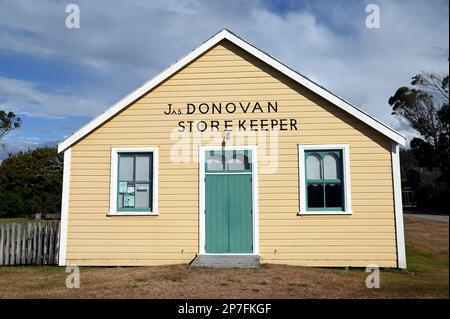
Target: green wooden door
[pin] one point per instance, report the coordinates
(228, 209)
(240, 222)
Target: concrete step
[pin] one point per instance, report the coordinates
(226, 261)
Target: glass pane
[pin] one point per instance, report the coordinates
(315, 196)
(313, 167)
(142, 196)
(126, 163)
(143, 164)
(214, 161)
(128, 201)
(130, 188)
(333, 195)
(238, 161)
(121, 200)
(331, 167)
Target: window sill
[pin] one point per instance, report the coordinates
(113, 214)
(312, 213)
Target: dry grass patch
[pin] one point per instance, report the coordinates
(427, 277)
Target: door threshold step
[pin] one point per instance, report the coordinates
(226, 261)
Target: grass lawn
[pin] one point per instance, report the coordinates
(427, 277)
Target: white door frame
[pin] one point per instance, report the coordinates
(201, 206)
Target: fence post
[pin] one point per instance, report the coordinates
(29, 258)
(24, 244)
(35, 234)
(57, 242)
(18, 238)
(50, 245)
(12, 260)
(8, 239)
(39, 244)
(46, 232)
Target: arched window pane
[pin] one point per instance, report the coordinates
(238, 162)
(313, 167)
(331, 167)
(215, 163)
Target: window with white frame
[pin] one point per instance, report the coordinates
(133, 181)
(324, 179)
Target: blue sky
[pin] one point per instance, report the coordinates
(57, 79)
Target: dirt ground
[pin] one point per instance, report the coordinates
(427, 277)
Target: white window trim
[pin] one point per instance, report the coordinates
(113, 181)
(346, 174)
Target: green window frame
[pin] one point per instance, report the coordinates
(324, 193)
(131, 191)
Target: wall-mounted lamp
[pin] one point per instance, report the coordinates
(226, 138)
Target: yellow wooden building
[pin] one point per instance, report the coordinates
(230, 158)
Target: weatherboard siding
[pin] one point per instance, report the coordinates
(228, 74)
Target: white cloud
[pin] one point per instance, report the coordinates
(25, 98)
(12, 146)
(129, 41)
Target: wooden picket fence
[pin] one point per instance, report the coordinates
(32, 243)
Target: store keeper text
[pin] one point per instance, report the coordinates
(280, 124)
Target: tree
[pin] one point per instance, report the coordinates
(8, 122)
(425, 107)
(31, 182)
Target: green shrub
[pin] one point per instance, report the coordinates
(433, 197)
(31, 183)
(11, 204)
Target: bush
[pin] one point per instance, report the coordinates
(31, 183)
(11, 204)
(433, 197)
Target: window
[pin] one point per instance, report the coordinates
(133, 181)
(324, 184)
(323, 180)
(230, 161)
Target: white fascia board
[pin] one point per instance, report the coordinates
(225, 34)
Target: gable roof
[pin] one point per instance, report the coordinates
(225, 34)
